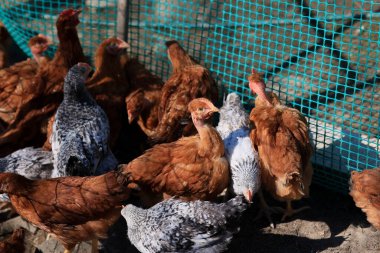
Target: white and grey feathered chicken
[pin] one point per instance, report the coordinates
(178, 226)
(32, 163)
(80, 130)
(243, 159)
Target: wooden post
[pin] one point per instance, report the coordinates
(122, 19)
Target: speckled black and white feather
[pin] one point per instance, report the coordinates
(33, 163)
(178, 226)
(243, 159)
(80, 131)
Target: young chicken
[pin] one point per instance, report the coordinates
(108, 85)
(189, 80)
(43, 93)
(14, 243)
(233, 127)
(192, 167)
(74, 209)
(365, 190)
(15, 79)
(80, 130)
(177, 226)
(144, 99)
(280, 134)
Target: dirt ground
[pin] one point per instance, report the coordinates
(332, 225)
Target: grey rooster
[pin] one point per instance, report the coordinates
(177, 226)
(243, 159)
(80, 130)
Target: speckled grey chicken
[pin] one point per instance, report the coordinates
(178, 226)
(233, 127)
(80, 130)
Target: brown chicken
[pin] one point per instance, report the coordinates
(365, 190)
(189, 80)
(14, 243)
(15, 79)
(192, 167)
(280, 135)
(108, 85)
(74, 209)
(144, 99)
(45, 90)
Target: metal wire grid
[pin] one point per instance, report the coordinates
(321, 57)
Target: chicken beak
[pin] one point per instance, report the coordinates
(77, 12)
(248, 195)
(123, 44)
(130, 117)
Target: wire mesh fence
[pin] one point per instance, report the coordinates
(321, 57)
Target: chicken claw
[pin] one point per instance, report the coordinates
(289, 211)
(267, 210)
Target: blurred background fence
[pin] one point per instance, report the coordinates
(321, 57)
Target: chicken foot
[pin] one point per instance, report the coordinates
(289, 211)
(267, 210)
(94, 248)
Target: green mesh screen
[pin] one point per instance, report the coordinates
(321, 57)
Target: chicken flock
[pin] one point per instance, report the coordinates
(193, 181)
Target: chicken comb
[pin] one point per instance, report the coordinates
(70, 12)
(170, 42)
(255, 76)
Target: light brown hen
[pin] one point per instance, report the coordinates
(188, 80)
(144, 99)
(365, 190)
(14, 243)
(74, 209)
(44, 92)
(192, 167)
(280, 134)
(15, 79)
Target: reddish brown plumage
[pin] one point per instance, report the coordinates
(16, 80)
(44, 91)
(14, 243)
(189, 80)
(280, 134)
(192, 167)
(74, 209)
(144, 98)
(365, 190)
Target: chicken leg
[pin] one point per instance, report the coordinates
(289, 211)
(67, 251)
(267, 210)
(94, 248)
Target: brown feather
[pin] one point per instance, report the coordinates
(281, 136)
(365, 190)
(189, 80)
(44, 91)
(14, 243)
(192, 167)
(74, 209)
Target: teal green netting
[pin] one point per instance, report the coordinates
(321, 57)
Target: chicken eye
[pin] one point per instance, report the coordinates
(201, 109)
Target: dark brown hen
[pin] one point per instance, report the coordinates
(14, 243)
(44, 93)
(144, 98)
(188, 80)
